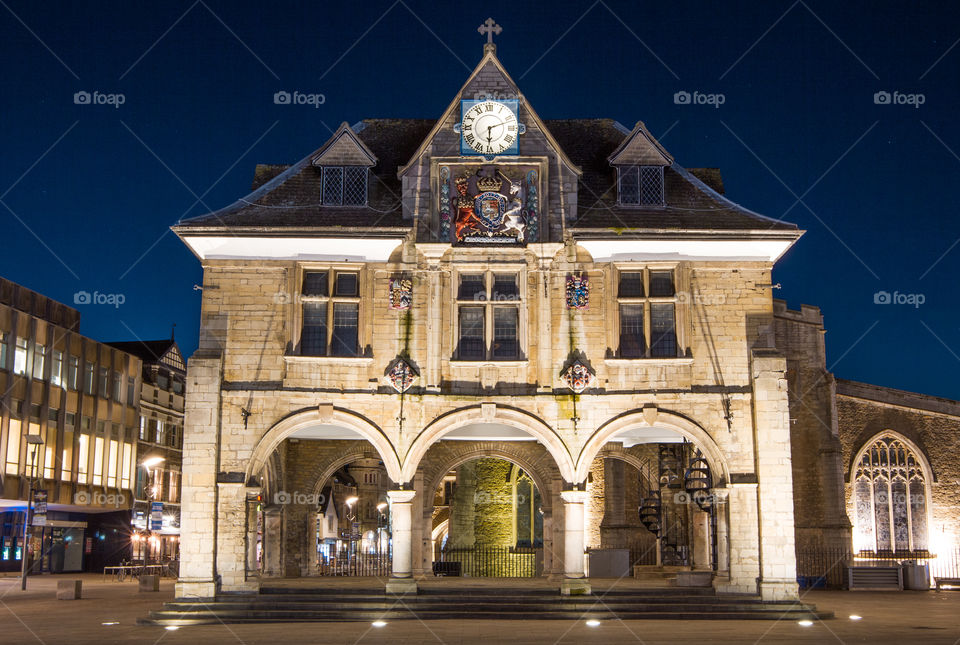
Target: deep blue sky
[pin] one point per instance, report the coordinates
(198, 80)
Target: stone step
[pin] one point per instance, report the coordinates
(499, 613)
(581, 604)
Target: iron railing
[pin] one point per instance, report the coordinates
(362, 564)
(489, 562)
(827, 567)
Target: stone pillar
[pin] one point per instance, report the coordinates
(420, 533)
(720, 497)
(198, 496)
(294, 556)
(771, 411)
(700, 522)
(574, 581)
(401, 503)
(272, 543)
(232, 538)
(251, 563)
(312, 555)
(743, 539)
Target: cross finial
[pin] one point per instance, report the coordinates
(490, 27)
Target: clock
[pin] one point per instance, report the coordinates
(489, 127)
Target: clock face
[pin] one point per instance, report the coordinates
(489, 127)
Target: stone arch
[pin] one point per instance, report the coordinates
(489, 413)
(540, 469)
(928, 471)
(649, 418)
(325, 415)
(617, 451)
(361, 452)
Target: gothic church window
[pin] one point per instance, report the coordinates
(890, 492)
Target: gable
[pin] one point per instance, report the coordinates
(344, 149)
(640, 149)
(173, 358)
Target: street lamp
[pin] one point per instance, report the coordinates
(151, 494)
(36, 441)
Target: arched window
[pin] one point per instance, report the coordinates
(890, 492)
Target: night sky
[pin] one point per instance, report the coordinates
(88, 191)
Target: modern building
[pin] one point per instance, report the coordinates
(156, 506)
(553, 339)
(68, 421)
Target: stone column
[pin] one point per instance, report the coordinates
(743, 539)
(272, 523)
(198, 506)
(232, 538)
(720, 496)
(701, 538)
(251, 564)
(294, 545)
(401, 504)
(771, 411)
(574, 581)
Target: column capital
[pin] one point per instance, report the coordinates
(573, 496)
(720, 494)
(401, 496)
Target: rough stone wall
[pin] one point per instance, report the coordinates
(493, 504)
(815, 447)
(930, 423)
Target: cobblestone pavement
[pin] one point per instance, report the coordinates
(108, 612)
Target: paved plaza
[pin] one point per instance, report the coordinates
(109, 610)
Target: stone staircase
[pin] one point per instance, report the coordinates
(286, 604)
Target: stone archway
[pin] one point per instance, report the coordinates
(488, 413)
(325, 415)
(654, 418)
(529, 456)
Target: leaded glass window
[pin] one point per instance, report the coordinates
(344, 185)
(641, 185)
(890, 498)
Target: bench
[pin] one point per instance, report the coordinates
(950, 582)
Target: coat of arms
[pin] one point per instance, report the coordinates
(488, 208)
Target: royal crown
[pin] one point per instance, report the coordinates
(489, 184)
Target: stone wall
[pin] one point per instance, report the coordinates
(815, 447)
(930, 423)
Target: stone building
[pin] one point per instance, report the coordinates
(159, 448)
(436, 295)
(79, 399)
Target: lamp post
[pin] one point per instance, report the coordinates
(34, 440)
(150, 493)
(381, 517)
(351, 517)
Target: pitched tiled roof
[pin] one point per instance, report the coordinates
(690, 203)
(287, 197)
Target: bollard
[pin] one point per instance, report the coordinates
(69, 589)
(149, 582)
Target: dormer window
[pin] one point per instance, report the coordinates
(640, 185)
(344, 186)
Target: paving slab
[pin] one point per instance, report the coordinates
(108, 611)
